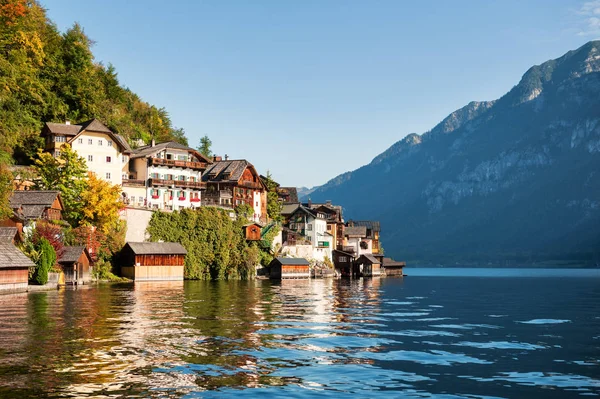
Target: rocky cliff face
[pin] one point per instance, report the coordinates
(515, 178)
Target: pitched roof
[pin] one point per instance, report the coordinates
(157, 248)
(33, 197)
(369, 224)
(7, 234)
(94, 125)
(12, 258)
(292, 192)
(389, 262)
(370, 258)
(61, 128)
(293, 261)
(226, 171)
(72, 254)
(355, 231)
(288, 209)
(149, 150)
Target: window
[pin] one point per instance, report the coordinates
(90, 158)
(182, 177)
(109, 143)
(80, 141)
(108, 159)
(124, 159)
(343, 259)
(309, 227)
(56, 154)
(100, 142)
(108, 175)
(60, 139)
(256, 203)
(328, 227)
(90, 141)
(140, 199)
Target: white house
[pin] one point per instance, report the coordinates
(105, 153)
(312, 226)
(166, 176)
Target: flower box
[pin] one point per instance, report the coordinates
(155, 196)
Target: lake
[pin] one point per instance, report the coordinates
(438, 333)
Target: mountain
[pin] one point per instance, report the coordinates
(511, 180)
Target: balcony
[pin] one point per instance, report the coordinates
(178, 164)
(250, 184)
(134, 183)
(177, 183)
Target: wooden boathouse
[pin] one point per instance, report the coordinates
(367, 265)
(14, 265)
(392, 267)
(286, 268)
(76, 265)
(153, 261)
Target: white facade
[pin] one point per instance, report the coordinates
(102, 156)
(354, 242)
(170, 187)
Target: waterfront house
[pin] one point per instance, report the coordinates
(76, 265)
(14, 265)
(165, 176)
(230, 183)
(373, 229)
(252, 231)
(289, 268)
(343, 261)
(392, 267)
(312, 226)
(153, 261)
(33, 205)
(333, 217)
(105, 153)
(367, 265)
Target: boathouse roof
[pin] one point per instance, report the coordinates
(389, 262)
(8, 234)
(156, 248)
(370, 258)
(293, 261)
(12, 258)
(72, 254)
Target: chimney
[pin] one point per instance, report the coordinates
(226, 157)
(153, 142)
(217, 158)
(328, 202)
(67, 122)
(309, 202)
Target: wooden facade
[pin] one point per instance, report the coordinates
(153, 261)
(290, 268)
(392, 267)
(14, 265)
(76, 265)
(252, 232)
(367, 266)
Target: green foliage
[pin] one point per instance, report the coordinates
(273, 204)
(67, 174)
(205, 146)
(244, 211)
(5, 191)
(103, 271)
(49, 76)
(216, 246)
(46, 261)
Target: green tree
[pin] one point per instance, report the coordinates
(273, 204)
(5, 191)
(205, 146)
(67, 174)
(46, 261)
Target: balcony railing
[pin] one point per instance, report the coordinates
(177, 183)
(250, 184)
(178, 164)
(134, 182)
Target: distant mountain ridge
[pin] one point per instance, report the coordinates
(516, 179)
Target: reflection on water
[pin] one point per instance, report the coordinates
(421, 337)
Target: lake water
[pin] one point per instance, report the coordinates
(438, 333)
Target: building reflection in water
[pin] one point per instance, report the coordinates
(177, 337)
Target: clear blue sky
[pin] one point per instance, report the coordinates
(310, 89)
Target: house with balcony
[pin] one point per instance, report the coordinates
(165, 176)
(230, 183)
(105, 153)
(308, 226)
(333, 217)
(373, 228)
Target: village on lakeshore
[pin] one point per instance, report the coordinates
(295, 239)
